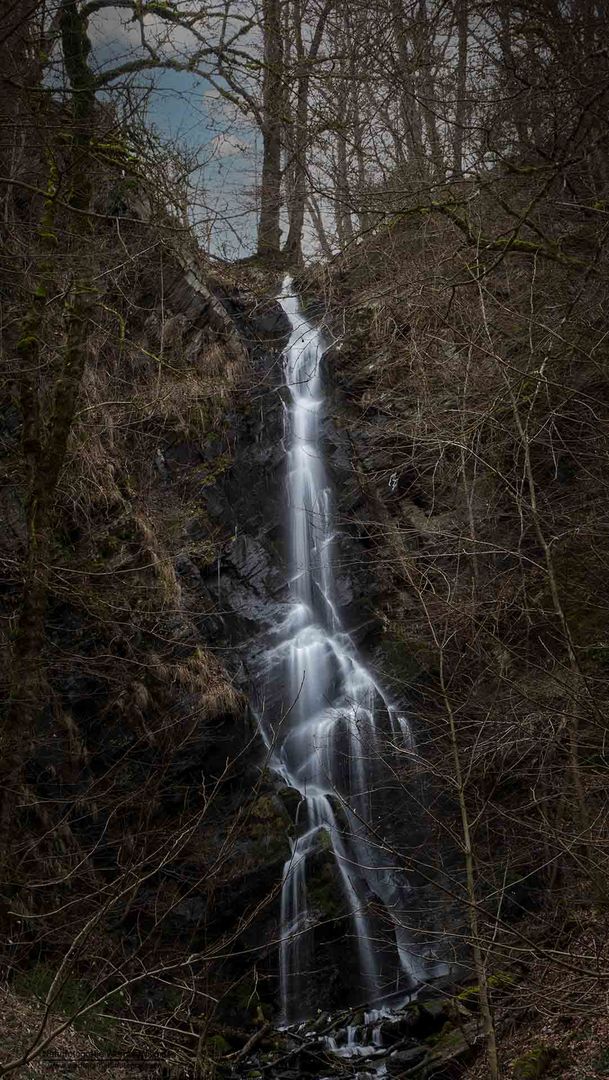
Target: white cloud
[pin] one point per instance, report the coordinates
(116, 35)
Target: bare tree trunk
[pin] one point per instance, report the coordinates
(291, 23)
(296, 166)
(45, 451)
(363, 215)
(318, 223)
(428, 94)
(461, 82)
(514, 89)
(269, 231)
(293, 246)
(342, 195)
(411, 116)
(344, 224)
(470, 881)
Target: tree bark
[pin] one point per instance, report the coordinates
(409, 108)
(293, 245)
(428, 91)
(461, 101)
(318, 222)
(45, 450)
(269, 231)
(470, 884)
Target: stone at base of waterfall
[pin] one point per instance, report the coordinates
(400, 1060)
(312, 1057)
(455, 1045)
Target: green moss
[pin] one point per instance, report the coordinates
(290, 800)
(221, 463)
(534, 1063)
(324, 892)
(269, 827)
(217, 1046)
(159, 7)
(450, 1038)
(499, 980)
(111, 147)
(470, 995)
(26, 342)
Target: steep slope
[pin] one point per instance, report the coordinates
(473, 397)
(148, 838)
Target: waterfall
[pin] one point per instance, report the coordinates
(331, 743)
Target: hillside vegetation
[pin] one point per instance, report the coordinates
(473, 386)
(434, 176)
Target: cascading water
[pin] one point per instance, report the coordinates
(331, 744)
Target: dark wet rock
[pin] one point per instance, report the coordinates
(270, 322)
(291, 800)
(453, 1048)
(433, 1012)
(325, 892)
(181, 455)
(396, 1029)
(187, 570)
(245, 595)
(313, 1058)
(437, 986)
(401, 1060)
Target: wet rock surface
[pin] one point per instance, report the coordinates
(248, 594)
(375, 1044)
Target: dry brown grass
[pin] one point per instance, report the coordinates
(73, 1055)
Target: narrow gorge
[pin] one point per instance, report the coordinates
(338, 736)
(304, 604)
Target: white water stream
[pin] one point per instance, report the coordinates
(331, 744)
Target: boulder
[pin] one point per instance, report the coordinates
(402, 1060)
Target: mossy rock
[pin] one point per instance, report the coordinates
(451, 1046)
(325, 890)
(534, 1063)
(269, 828)
(217, 1047)
(325, 893)
(450, 1038)
(324, 841)
(501, 980)
(291, 800)
(470, 997)
(434, 1013)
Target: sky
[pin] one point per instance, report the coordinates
(188, 109)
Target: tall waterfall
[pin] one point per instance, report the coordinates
(338, 728)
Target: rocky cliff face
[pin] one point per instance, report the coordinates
(170, 578)
(249, 588)
(148, 814)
